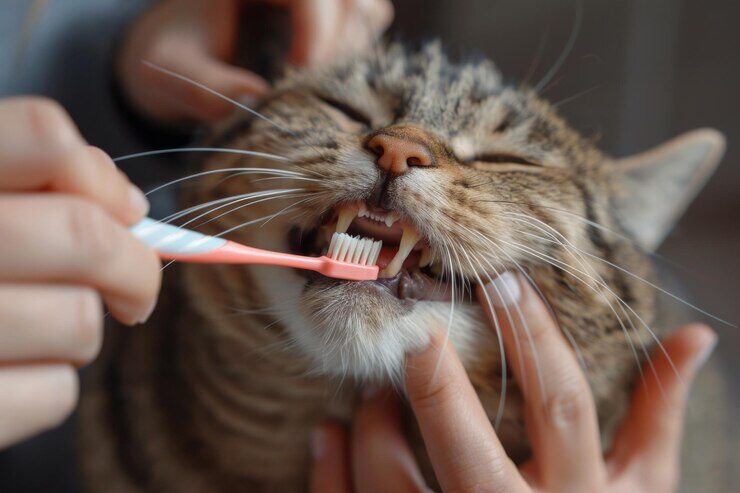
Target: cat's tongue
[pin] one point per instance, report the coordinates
(387, 253)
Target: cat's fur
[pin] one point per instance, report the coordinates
(221, 391)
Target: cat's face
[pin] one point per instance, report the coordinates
(462, 178)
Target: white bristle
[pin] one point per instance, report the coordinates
(354, 250)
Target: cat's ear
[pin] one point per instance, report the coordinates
(651, 190)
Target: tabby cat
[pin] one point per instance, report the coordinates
(239, 364)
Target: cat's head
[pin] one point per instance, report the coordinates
(469, 175)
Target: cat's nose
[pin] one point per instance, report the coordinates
(397, 154)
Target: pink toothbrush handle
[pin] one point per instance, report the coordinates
(235, 253)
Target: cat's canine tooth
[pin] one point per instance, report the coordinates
(409, 239)
(347, 214)
(362, 212)
(426, 257)
(390, 218)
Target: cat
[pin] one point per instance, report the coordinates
(239, 363)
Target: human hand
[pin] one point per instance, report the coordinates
(64, 209)
(196, 38)
(560, 418)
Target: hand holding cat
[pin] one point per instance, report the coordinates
(64, 246)
(561, 420)
(197, 39)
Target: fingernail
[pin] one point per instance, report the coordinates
(138, 202)
(369, 391)
(148, 312)
(703, 355)
(318, 444)
(504, 290)
(132, 311)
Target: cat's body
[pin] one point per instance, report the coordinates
(221, 392)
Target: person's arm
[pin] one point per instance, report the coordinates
(64, 249)
(560, 419)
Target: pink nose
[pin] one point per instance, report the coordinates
(396, 154)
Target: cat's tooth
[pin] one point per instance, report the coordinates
(409, 239)
(346, 215)
(390, 218)
(426, 257)
(362, 212)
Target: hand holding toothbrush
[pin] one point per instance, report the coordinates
(64, 247)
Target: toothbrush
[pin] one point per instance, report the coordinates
(348, 257)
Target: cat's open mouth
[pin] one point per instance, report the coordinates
(408, 269)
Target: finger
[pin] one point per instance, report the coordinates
(316, 25)
(562, 421)
(462, 445)
(62, 239)
(29, 122)
(79, 170)
(73, 333)
(330, 456)
(42, 397)
(650, 436)
(381, 458)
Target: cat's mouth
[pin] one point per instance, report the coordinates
(408, 269)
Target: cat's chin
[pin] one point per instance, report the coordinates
(364, 331)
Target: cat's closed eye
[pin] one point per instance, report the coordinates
(499, 158)
(347, 110)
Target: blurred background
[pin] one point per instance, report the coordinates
(639, 72)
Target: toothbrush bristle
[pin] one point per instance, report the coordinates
(354, 249)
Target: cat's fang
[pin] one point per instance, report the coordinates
(346, 215)
(409, 239)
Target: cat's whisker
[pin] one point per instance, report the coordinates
(279, 212)
(190, 210)
(566, 331)
(537, 56)
(297, 178)
(232, 101)
(522, 319)
(576, 96)
(572, 214)
(294, 193)
(228, 201)
(223, 150)
(626, 271)
(254, 221)
(451, 270)
(199, 85)
(658, 288)
(626, 332)
(566, 50)
(502, 350)
(567, 268)
(624, 304)
(566, 245)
